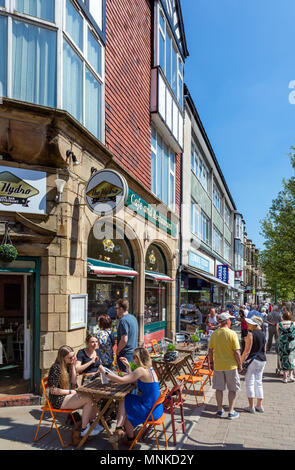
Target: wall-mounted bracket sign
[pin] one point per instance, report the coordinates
(22, 190)
(106, 192)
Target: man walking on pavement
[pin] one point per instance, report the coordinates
(224, 353)
(273, 318)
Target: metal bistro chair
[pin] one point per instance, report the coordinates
(151, 422)
(174, 400)
(53, 412)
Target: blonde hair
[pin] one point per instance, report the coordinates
(143, 357)
(64, 368)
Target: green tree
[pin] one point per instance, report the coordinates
(278, 229)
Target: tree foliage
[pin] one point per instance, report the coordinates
(278, 229)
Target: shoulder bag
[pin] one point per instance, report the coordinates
(246, 365)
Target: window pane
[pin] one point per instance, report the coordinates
(172, 190)
(168, 57)
(94, 52)
(39, 8)
(153, 172)
(159, 168)
(180, 92)
(74, 25)
(154, 139)
(161, 51)
(93, 104)
(3, 55)
(2, 3)
(162, 21)
(72, 82)
(174, 71)
(95, 8)
(34, 64)
(165, 175)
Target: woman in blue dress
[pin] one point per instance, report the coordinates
(134, 409)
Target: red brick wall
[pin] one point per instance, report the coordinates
(127, 90)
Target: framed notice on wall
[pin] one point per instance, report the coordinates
(78, 311)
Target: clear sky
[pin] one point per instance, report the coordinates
(241, 62)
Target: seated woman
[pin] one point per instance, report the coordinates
(87, 359)
(105, 341)
(62, 379)
(134, 409)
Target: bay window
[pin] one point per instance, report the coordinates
(169, 59)
(30, 51)
(162, 170)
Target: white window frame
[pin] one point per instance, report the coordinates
(227, 216)
(227, 251)
(171, 170)
(198, 219)
(200, 167)
(218, 235)
(217, 198)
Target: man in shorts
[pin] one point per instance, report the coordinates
(224, 355)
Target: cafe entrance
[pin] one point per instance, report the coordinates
(17, 312)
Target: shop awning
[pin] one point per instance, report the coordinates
(206, 277)
(101, 268)
(158, 276)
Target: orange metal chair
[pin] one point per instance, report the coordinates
(151, 422)
(53, 412)
(205, 370)
(156, 346)
(189, 381)
(174, 400)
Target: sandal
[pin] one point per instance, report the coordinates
(118, 434)
(127, 441)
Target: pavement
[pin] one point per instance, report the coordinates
(272, 430)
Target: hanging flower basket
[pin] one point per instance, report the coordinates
(8, 253)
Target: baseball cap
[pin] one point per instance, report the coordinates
(225, 316)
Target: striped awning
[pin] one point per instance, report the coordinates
(101, 268)
(158, 276)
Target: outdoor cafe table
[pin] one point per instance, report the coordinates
(111, 392)
(168, 371)
(187, 348)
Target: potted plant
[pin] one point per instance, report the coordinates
(171, 347)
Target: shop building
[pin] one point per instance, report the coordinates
(207, 222)
(70, 111)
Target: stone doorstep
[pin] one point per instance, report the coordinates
(20, 400)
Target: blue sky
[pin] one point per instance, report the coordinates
(241, 62)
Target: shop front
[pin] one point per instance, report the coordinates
(156, 293)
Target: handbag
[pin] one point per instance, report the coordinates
(246, 365)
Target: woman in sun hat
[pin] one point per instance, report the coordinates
(255, 346)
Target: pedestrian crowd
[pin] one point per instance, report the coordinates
(230, 359)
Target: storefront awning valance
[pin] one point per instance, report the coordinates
(206, 277)
(102, 268)
(158, 276)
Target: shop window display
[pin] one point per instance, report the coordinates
(155, 292)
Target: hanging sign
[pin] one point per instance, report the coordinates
(106, 192)
(22, 190)
(223, 272)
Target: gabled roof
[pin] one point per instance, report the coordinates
(173, 13)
